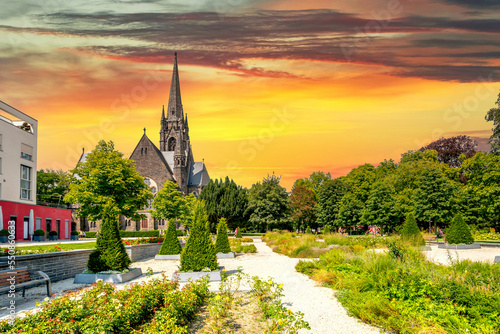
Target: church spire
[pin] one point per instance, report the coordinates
(174, 101)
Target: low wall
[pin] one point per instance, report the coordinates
(62, 265)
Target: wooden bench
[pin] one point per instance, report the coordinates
(430, 238)
(21, 278)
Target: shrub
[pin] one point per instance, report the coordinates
(238, 233)
(133, 234)
(180, 233)
(308, 230)
(458, 232)
(109, 243)
(53, 233)
(222, 241)
(90, 234)
(39, 233)
(95, 264)
(326, 230)
(170, 244)
(199, 252)
(74, 233)
(4, 232)
(410, 231)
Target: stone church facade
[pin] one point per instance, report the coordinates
(172, 161)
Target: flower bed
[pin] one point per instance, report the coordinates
(103, 309)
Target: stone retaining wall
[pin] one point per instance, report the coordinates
(62, 265)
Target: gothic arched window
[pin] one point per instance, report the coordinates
(171, 144)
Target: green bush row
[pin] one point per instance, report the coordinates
(135, 234)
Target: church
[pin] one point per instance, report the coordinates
(173, 161)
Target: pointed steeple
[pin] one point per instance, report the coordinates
(174, 101)
(163, 113)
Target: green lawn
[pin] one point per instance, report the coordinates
(53, 247)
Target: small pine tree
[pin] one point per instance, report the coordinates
(222, 241)
(410, 231)
(326, 230)
(458, 232)
(109, 243)
(171, 244)
(308, 230)
(199, 252)
(95, 264)
(238, 233)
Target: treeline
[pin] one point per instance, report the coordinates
(430, 184)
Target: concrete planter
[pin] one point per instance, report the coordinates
(53, 237)
(112, 278)
(229, 255)
(460, 246)
(4, 238)
(38, 238)
(194, 275)
(497, 259)
(74, 237)
(168, 257)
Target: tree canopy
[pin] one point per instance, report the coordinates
(52, 185)
(106, 177)
(450, 149)
(493, 115)
(169, 203)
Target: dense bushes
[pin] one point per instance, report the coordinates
(458, 232)
(222, 241)
(199, 252)
(411, 295)
(171, 244)
(410, 232)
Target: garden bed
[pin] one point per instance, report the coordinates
(111, 278)
(229, 255)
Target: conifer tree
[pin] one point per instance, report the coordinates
(109, 243)
(238, 233)
(308, 230)
(171, 244)
(222, 240)
(326, 230)
(458, 232)
(199, 252)
(410, 231)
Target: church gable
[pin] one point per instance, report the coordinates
(150, 163)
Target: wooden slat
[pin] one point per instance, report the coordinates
(20, 276)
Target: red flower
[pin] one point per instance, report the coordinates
(6, 249)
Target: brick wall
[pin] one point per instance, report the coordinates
(62, 265)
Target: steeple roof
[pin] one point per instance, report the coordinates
(174, 101)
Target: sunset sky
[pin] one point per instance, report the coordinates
(289, 87)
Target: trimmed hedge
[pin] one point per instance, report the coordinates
(199, 252)
(238, 233)
(459, 232)
(171, 245)
(326, 230)
(410, 231)
(222, 241)
(39, 233)
(137, 234)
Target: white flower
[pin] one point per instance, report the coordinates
(99, 280)
(101, 294)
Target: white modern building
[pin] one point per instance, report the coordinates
(18, 154)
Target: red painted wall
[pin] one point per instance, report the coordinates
(23, 210)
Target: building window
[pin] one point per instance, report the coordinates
(146, 150)
(25, 182)
(48, 225)
(171, 144)
(142, 151)
(0, 165)
(26, 152)
(38, 225)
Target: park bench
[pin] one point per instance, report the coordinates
(21, 279)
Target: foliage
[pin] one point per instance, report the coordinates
(53, 233)
(361, 179)
(237, 246)
(187, 215)
(222, 240)
(410, 231)
(238, 233)
(414, 295)
(74, 233)
(95, 262)
(137, 308)
(493, 115)
(199, 252)
(269, 205)
(380, 208)
(350, 211)
(435, 196)
(458, 232)
(225, 199)
(171, 244)
(5, 232)
(106, 176)
(52, 185)
(303, 202)
(169, 203)
(108, 243)
(308, 230)
(314, 182)
(326, 230)
(450, 149)
(329, 197)
(39, 233)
